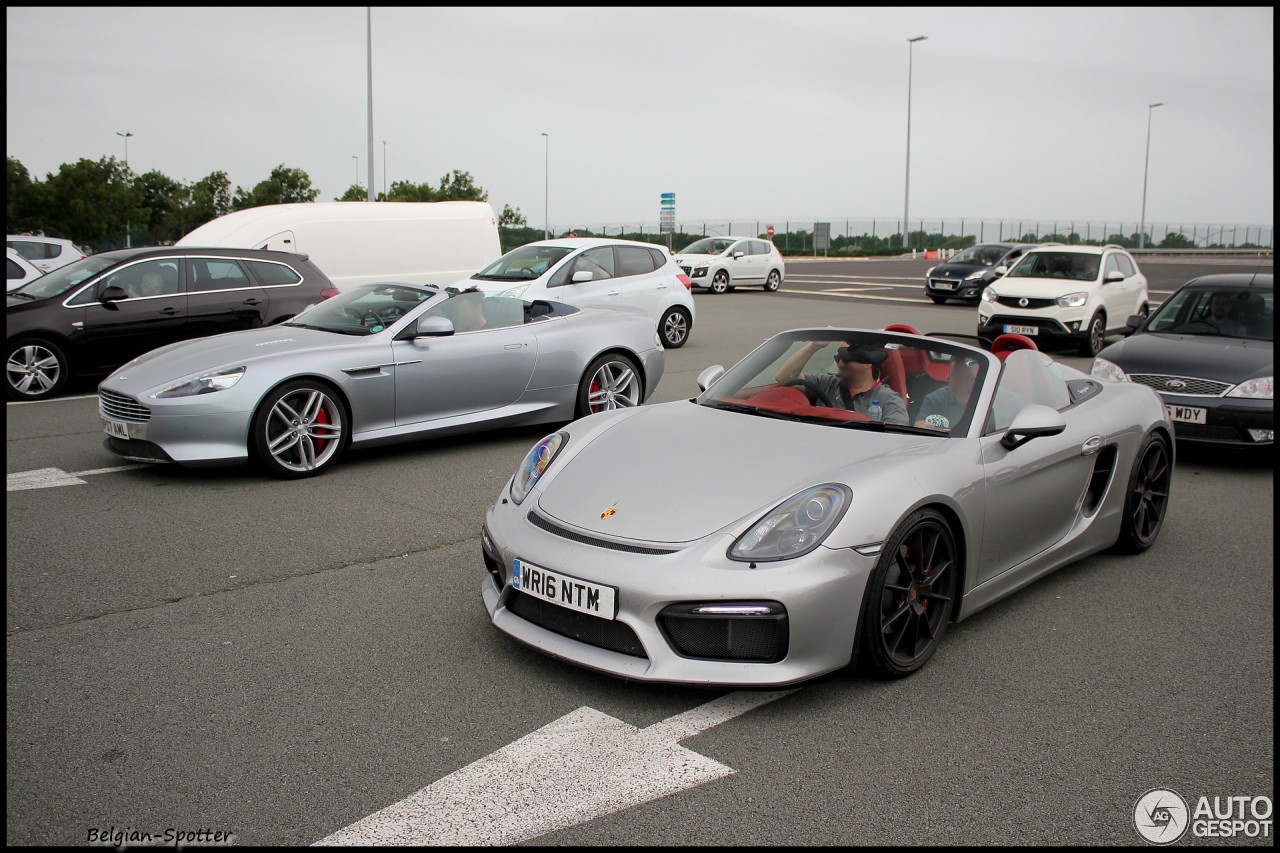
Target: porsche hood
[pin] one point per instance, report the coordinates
(677, 472)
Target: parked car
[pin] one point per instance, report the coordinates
(91, 316)
(1207, 351)
(431, 242)
(1065, 294)
(380, 363)
(19, 270)
(968, 272)
(817, 535)
(597, 272)
(45, 253)
(721, 264)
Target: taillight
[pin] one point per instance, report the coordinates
(684, 279)
(328, 293)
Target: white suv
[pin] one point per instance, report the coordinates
(45, 253)
(1065, 293)
(722, 263)
(595, 271)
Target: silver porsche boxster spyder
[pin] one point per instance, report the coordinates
(843, 495)
(377, 364)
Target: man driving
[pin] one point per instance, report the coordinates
(854, 384)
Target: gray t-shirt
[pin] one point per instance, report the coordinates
(895, 411)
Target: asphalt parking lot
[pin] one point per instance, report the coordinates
(211, 650)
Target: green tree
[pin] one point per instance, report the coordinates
(355, 192)
(162, 200)
(460, 186)
(511, 218)
(283, 186)
(409, 191)
(90, 202)
(1176, 240)
(22, 199)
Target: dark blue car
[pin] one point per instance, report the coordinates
(967, 273)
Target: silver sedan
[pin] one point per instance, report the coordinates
(377, 364)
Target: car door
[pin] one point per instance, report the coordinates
(1033, 491)
(1135, 285)
(1116, 295)
(120, 330)
(640, 281)
(602, 291)
(222, 298)
(739, 263)
(467, 373)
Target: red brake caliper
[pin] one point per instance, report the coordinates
(322, 417)
(595, 389)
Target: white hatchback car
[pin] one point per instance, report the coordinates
(596, 271)
(45, 253)
(18, 270)
(1065, 293)
(722, 263)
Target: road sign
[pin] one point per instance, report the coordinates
(769, 231)
(821, 235)
(667, 220)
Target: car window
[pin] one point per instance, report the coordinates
(1126, 265)
(14, 271)
(659, 258)
(634, 260)
(707, 246)
(759, 247)
(1060, 265)
(474, 311)
(599, 262)
(158, 277)
(32, 250)
(1026, 377)
(270, 273)
(205, 274)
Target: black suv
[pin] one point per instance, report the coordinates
(967, 273)
(93, 315)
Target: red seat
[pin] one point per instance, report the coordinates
(914, 361)
(1005, 344)
(893, 373)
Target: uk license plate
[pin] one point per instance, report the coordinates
(115, 429)
(944, 285)
(1185, 414)
(573, 593)
(1022, 330)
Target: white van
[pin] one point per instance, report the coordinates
(354, 242)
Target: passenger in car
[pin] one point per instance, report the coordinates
(945, 406)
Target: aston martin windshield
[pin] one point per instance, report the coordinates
(707, 246)
(364, 310)
(1069, 265)
(856, 378)
(523, 264)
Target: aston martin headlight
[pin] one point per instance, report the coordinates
(206, 384)
(976, 274)
(1104, 369)
(1254, 389)
(1073, 300)
(989, 295)
(535, 464)
(795, 527)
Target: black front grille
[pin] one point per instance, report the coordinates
(1032, 304)
(136, 450)
(551, 527)
(687, 270)
(758, 639)
(1190, 386)
(1205, 432)
(121, 408)
(602, 633)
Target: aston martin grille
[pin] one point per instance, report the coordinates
(121, 408)
(1186, 385)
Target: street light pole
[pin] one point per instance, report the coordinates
(1142, 228)
(384, 169)
(128, 242)
(369, 32)
(356, 157)
(546, 189)
(906, 195)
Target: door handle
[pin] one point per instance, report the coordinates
(1091, 446)
(169, 311)
(253, 302)
(615, 292)
(662, 287)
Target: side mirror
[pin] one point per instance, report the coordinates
(1133, 324)
(737, 255)
(1033, 421)
(582, 275)
(113, 294)
(708, 377)
(1114, 275)
(1000, 270)
(434, 326)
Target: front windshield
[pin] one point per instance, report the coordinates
(1217, 311)
(364, 310)
(1059, 265)
(63, 279)
(707, 246)
(523, 264)
(840, 378)
(984, 255)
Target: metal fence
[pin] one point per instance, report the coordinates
(1199, 235)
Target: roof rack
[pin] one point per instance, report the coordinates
(1053, 244)
(1113, 246)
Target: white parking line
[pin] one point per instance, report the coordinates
(48, 478)
(580, 767)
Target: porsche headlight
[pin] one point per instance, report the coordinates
(1254, 389)
(976, 274)
(219, 380)
(1104, 369)
(989, 295)
(795, 527)
(1073, 300)
(535, 464)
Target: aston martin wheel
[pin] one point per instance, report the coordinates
(612, 381)
(1096, 338)
(35, 369)
(300, 429)
(773, 282)
(910, 596)
(674, 327)
(1147, 496)
(720, 282)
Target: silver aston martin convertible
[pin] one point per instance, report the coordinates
(856, 492)
(377, 364)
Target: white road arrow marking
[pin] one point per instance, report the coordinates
(48, 478)
(582, 766)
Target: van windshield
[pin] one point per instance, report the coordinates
(523, 264)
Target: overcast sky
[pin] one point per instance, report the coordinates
(750, 113)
